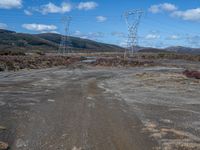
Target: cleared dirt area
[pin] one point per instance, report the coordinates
(101, 108)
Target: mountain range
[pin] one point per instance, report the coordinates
(49, 42)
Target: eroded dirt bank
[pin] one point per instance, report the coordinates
(96, 108)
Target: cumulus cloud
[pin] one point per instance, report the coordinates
(119, 34)
(168, 7)
(3, 26)
(90, 35)
(52, 8)
(96, 35)
(173, 37)
(190, 14)
(87, 5)
(39, 27)
(154, 9)
(123, 43)
(152, 36)
(28, 13)
(8, 4)
(93, 35)
(101, 19)
(56, 32)
(77, 33)
(162, 7)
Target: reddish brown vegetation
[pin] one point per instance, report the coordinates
(192, 74)
(170, 56)
(34, 62)
(120, 62)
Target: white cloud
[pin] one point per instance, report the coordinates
(162, 7)
(168, 7)
(28, 13)
(39, 27)
(152, 36)
(193, 40)
(52, 8)
(3, 26)
(119, 34)
(87, 5)
(56, 32)
(123, 44)
(8, 4)
(190, 14)
(84, 37)
(77, 33)
(101, 19)
(95, 35)
(90, 35)
(154, 9)
(173, 37)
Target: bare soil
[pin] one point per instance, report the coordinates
(84, 107)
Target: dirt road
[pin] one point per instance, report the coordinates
(99, 109)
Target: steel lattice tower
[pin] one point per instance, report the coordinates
(63, 48)
(132, 19)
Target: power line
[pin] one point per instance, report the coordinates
(63, 48)
(132, 19)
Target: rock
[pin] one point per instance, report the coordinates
(75, 148)
(20, 143)
(2, 103)
(51, 100)
(3, 146)
(2, 67)
(2, 128)
(192, 74)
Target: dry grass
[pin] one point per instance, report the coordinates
(120, 62)
(34, 62)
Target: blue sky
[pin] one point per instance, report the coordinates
(164, 23)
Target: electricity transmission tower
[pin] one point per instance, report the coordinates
(63, 48)
(132, 19)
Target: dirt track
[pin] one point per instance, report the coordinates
(99, 109)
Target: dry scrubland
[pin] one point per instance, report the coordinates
(148, 101)
(17, 61)
(14, 63)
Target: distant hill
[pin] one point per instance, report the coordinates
(49, 42)
(181, 49)
(175, 49)
(152, 50)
